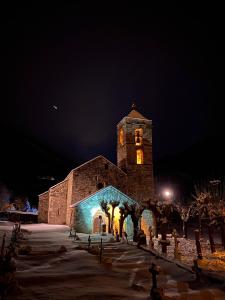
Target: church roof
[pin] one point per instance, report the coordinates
(99, 157)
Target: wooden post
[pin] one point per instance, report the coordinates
(100, 251)
(176, 243)
(155, 292)
(154, 273)
(200, 224)
(100, 223)
(126, 236)
(151, 243)
(13, 237)
(222, 229)
(70, 235)
(197, 270)
(3, 245)
(89, 241)
(185, 230)
(117, 236)
(198, 245)
(164, 242)
(157, 227)
(211, 240)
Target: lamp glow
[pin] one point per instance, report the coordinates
(167, 193)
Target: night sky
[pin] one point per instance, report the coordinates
(91, 67)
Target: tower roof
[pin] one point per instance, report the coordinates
(136, 115)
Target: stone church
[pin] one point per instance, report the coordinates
(76, 199)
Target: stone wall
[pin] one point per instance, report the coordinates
(43, 208)
(58, 203)
(94, 175)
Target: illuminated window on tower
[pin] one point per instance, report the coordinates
(139, 156)
(121, 137)
(138, 136)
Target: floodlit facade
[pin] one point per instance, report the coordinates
(76, 199)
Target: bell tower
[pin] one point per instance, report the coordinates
(134, 155)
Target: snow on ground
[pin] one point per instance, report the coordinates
(187, 247)
(77, 274)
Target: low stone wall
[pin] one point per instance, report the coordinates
(17, 216)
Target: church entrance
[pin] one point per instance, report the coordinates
(99, 220)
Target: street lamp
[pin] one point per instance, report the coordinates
(167, 195)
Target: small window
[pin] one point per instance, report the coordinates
(139, 157)
(100, 185)
(106, 166)
(124, 169)
(121, 137)
(138, 136)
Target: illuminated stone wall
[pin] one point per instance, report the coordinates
(140, 182)
(86, 209)
(43, 208)
(94, 175)
(58, 203)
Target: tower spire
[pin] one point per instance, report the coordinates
(133, 106)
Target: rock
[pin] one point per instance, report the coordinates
(62, 249)
(157, 293)
(107, 260)
(24, 250)
(138, 287)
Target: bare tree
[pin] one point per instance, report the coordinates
(209, 203)
(135, 211)
(124, 212)
(185, 213)
(162, 212)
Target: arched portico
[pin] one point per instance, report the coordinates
(87, 212)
